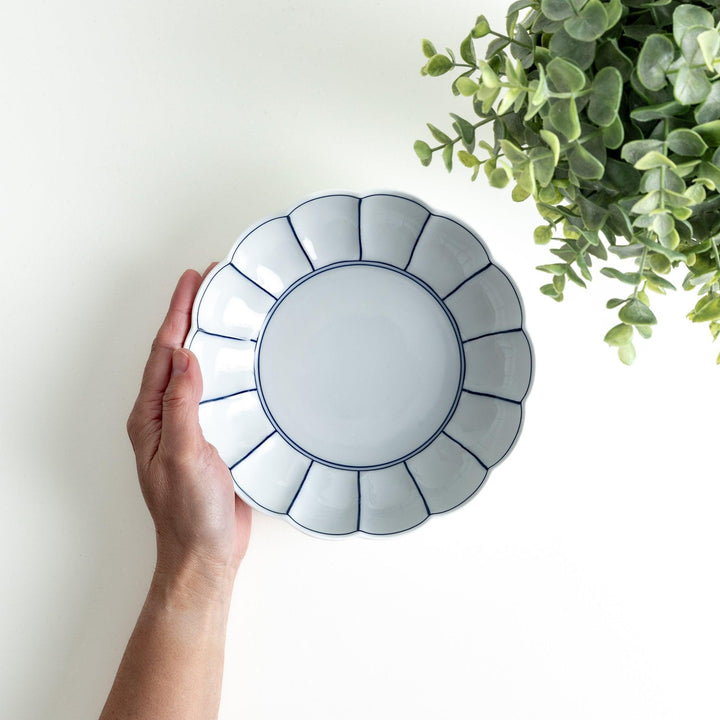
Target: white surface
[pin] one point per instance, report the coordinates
(141, 138)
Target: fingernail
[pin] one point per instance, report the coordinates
(180, 362)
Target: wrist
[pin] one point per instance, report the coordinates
(193, 577)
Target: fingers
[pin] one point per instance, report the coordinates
(170, 336)
(144, 422)
(208, 269)
(181, 435)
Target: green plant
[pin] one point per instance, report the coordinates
(607, 114)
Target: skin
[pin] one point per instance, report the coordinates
(172, 667)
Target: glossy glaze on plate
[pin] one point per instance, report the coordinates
(364, 363)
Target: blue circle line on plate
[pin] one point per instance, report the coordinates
(361, 263)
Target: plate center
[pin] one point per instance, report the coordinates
(359, 365)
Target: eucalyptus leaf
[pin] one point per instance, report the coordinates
(607, 115)
(627, 354)
(690, 15)
(564, 118)
(655, 58)
(686, 142)
(691, 85)
(619, 335)
(588, 24)
(637, 313)
(605, 95)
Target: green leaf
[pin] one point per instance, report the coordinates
(514, 154)
(636, 149)
(557, 9)
(637, 313)
(553, 143)
(439, 135)
(584, 164)
(653, 159)
(605, 94)
(614, 11)
(467, 159)
(564, 118)
(609, 54)
(644, 331)
(689, 15)
(564, 46)
(626, 353)
(542, 235)
(593, 215)
(566, 77)
(447, 156)
(709, 42)
(467, 50)
(655, 58)
(615, 302)
(575, 277)
(619, 335)
(707, 309)
(553, 269)
(691, 85)
(686, 142)
(428, 49)
(710, 108)
(647, 204)
(709, 132)
(709, 174)
(466, 86)
(657, 112)
(543, 163)
(482, 27)
(589, 24)
(438, 65)
(465, 130)
(614, 134)
(551, 291)
(499, 177)
(628, 278)
(423, 151)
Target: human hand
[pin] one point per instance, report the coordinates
(202, 527)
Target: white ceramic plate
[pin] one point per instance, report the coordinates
(364, 363)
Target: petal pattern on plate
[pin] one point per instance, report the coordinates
(327, 501)
(487, 303)
(271, 257)
(499, 365)
(389, 228)
(235, 425)
(232, 306)
(327, 228)
(227, 364)
(446, 474)
(271, 475)
(486, 426)
(389, 501)
(446, 255)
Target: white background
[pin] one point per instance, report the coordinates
(141, 138)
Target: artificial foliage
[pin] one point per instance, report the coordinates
(607, 115)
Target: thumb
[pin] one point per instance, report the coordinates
(180, 425)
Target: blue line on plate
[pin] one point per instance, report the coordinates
(412, 477)
(457, 442)
(244, 457)
(467, 279)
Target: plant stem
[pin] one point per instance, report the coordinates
(475, 126)
(713, 243)
(641, 271)
(510, 40)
